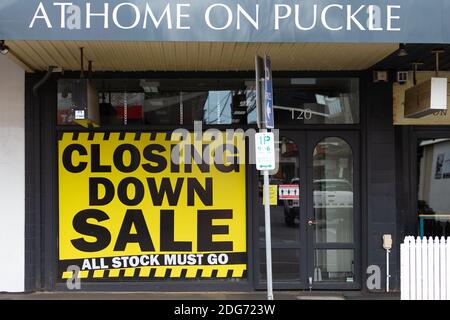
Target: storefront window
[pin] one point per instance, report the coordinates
(213, 101)
(153, 218)
(433, 185)
(285, 265)
(315, 101)
(122, 108)
(157, 102)
(334, 265)
(320, 101)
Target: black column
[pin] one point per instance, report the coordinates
(40, 178)
(381, 152)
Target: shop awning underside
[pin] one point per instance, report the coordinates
(196, 56)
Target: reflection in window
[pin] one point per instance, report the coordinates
(216, 108)
(316, 101)
(333, 191)
(285, 213)
(433, 185)
(165, 108)
(216, 101)
(122, 108)
(164, 101)
(285, 265)
(334, 265)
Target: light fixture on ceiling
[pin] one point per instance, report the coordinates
(437, 52)
(4, 49)
(402, 50)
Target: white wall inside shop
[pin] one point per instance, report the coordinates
(435, 176)
(12, 176)
(440, 183)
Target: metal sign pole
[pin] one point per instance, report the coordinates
(268, 234)
(265, 119)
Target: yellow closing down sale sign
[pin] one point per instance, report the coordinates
(143, 206)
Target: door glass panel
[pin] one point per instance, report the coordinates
(333, 191)
(334, 265)
(284, 209)
(285, 265)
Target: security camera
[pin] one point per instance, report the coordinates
(402, 77)
(4, 49)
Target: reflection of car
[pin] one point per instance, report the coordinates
(333, 193)
(328, 194)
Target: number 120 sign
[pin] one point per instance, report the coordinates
(265, 151)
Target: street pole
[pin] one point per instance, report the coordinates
(265, 120)
(268, 235)
(266, 194)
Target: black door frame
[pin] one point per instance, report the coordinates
(299, 138)
(306, 142)
(352, 139)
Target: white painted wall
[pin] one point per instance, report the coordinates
(12, 176)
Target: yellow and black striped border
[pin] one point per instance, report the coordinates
(161, 273)
(126, 136)
(116, 136)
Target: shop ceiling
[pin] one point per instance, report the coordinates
(417, 53)
(196, 56)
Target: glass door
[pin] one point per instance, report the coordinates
(333, 215)
(314, 213)
(288, 216)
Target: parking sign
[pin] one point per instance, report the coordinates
(265, 151)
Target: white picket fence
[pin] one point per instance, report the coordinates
(425, 269)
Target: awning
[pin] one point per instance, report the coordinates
(195, 56)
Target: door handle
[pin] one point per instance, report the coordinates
(312, 222)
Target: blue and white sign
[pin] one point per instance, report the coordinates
(344, 21)
(268, 94)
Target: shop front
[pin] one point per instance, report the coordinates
(139, 126)
(144, 200)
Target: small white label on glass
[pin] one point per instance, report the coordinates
(79, 114)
